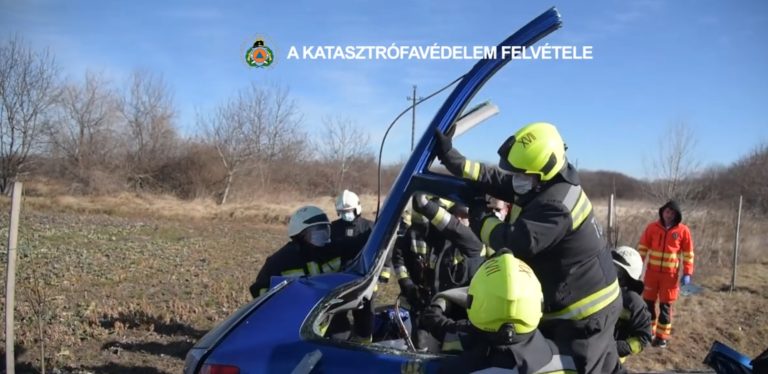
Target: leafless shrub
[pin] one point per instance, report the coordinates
(27, 91)
(194, 173)
(147, 108)
(83, 137)
(344, 146)
(674, 165)
(256, 127)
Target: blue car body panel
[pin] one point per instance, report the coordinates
(271, 336)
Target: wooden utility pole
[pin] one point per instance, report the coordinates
(10, 284)
(413, 99)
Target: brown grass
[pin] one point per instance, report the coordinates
(132, 281)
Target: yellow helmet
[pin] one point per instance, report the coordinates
(504, 291)
(536, 148)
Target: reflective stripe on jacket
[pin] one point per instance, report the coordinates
(665, 249)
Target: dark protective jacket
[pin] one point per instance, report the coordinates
(439, 255)
(553, 229)
(296, 260)
(356, 234)
(342, 230)
(530, 353)
(633, 330)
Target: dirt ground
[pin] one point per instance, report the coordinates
(105, 291)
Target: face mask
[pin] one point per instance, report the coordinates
(522, 184)
(348, 216)
(499, 214)
(319, 237)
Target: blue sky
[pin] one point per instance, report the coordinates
(655, 63)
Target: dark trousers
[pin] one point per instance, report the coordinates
(590, 341)
(661, 323)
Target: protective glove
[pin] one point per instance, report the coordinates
(420, 200)
(451, 158)
(411, 293)
(686, 280)
(460, 326)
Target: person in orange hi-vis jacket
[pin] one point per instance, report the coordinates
(664, 246)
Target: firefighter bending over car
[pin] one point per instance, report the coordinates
(503, 306)
(438, 252)
(552, 228)
(307, 253)
(311, 252)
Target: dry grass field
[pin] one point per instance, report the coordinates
(128, 283)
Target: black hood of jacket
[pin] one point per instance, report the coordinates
(672, 205)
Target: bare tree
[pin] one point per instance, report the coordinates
(343, 143)
(252, 130)
(83, 134)
(675, 164)
(27, 91)
(148, 111)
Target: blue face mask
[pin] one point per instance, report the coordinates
(522, 183)
(319, 236)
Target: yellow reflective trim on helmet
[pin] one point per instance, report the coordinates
(537, 149)
(581, 211)
(504, 292)
(489, 224)
(635, 345)
(588, 305)
(471, 170)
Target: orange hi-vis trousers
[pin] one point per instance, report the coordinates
(665, 288)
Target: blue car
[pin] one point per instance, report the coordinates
(282, 330)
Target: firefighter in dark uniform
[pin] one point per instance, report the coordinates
(633, 331)
(308, 252)
(437, 253)
(352, 226)
(504, 308)
(351, 231)
(552, 228)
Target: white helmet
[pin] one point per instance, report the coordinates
(630, 260)
(306, 216)
(348, 200)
